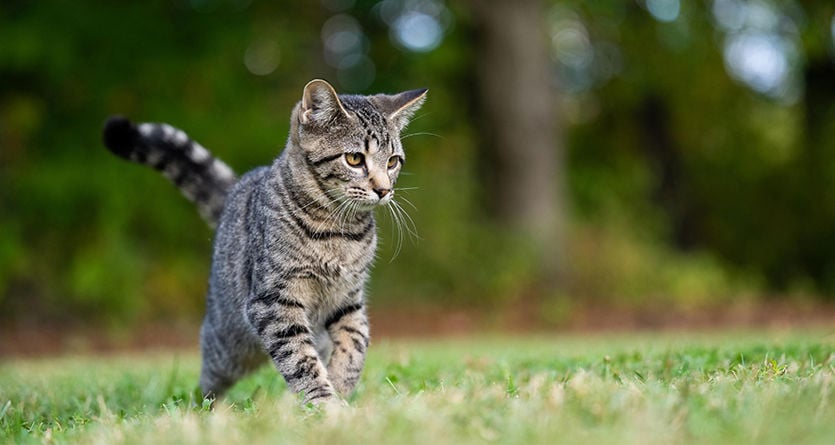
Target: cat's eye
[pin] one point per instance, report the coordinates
(393, 161)
(354, 159)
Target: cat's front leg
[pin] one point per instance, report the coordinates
(348, 328)
(278, 316)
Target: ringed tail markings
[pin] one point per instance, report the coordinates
(201, 178)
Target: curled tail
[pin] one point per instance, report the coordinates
(202, 178)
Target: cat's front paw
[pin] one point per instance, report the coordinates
(327, 404)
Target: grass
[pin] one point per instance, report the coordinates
(634, 388)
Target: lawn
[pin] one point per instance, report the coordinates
(725, 387)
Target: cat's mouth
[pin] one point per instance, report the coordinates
(364, 201)
(385, 200)
(370, 203)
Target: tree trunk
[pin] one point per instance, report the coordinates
(814, 242)
(671, 190)
(521, 151)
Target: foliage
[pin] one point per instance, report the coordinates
(723, 388)
(675, 143)
(85, 236)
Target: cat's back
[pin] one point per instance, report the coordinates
(241, 198)
(234, 234)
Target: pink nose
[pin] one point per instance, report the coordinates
(382, 193)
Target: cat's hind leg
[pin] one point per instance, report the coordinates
(225, 360)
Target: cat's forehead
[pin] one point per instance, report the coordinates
(367, 114)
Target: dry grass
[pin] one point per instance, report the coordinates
(641, 388)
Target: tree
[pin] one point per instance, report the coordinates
(522, 151)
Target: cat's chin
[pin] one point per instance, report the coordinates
(367, 206)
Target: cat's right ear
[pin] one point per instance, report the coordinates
(320, 104)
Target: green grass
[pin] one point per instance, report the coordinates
(634, 388)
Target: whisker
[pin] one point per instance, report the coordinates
(351, 213)
(393, 225)
(331, 201)
(331, 216)
(420, 116)
(404, 223)
(396, 222)
(421, 133)
(340, 217)
(410, 223)
(403, 198)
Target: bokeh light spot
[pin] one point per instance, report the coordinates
(729, 14)
(664, 10)
(417, 31)
(571, 44)
(342, 37)
(262, 57)
(758, 60)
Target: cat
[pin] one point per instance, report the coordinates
(294, 241)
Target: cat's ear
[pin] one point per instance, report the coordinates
(320, 104)
(399, 108)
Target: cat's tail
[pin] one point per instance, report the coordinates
(203, 179)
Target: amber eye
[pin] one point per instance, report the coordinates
(393, 161)
(354, 159)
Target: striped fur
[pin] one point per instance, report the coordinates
(201, 178)
(295, 244)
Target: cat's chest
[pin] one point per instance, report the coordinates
(341, 263)
(341, 273)
(326, 263)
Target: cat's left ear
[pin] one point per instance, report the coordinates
(320, 104)
(399, 108)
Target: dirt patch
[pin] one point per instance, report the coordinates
(42, 339)
(527, 317)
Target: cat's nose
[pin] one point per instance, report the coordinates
(382, 193)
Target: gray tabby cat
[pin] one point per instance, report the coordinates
(294, 241)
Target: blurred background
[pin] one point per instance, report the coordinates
(608, 163)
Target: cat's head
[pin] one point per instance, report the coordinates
(352, 143)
